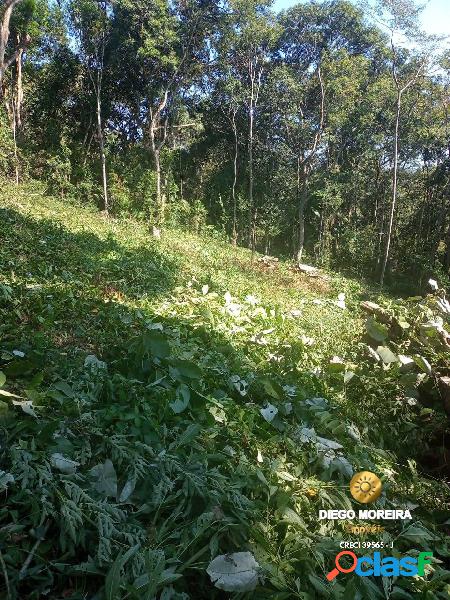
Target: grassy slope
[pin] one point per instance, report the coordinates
(79, 285)
(120, 262)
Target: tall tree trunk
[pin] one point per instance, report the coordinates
(5, 16)
(255, 74)
(19, 86)
(155, 146)
(394, 190)
(164, 195)
(102, 152)
(303, 200)
(250, 173)
(157, 158)
(14, 132)
(233, 189)
(304, 166)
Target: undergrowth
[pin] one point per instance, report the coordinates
(165, 402)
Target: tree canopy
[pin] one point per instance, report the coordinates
(320, 131)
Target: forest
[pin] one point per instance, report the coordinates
(224, 268)
(284, 131)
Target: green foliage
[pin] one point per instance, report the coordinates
(167, 407)
(59, 168)
(7, 159)
(193, 72)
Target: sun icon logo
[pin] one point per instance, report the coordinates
(365, 487)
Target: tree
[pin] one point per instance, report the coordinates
(244, 53)
(91, 19)
(400, 18)
(310, 32)
(6, 11)
(163, 50)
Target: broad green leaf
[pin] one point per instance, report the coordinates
(342, 465)
(368, 589)
(290, 516)
(272, 388)
(350, 592)
(419, 534)
(182, 400)
(327, 444)
(93, 363)
(127, 489)
(319, 585)
(154, 566)
(106, 478)
(156, 344)
(376, 330)
(18, 367)
(64, 387)
(422, 363)
(400, 594)
(237, 572)
(2, 379)
(186, 368)
(188, 435)
(387, 356)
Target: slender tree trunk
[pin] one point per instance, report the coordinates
(255, 73)
(380, 236)
(19, 87)
(233, 190)
(321, 234)
(302, 191)
(155, 150)
(419, 229)
(157, 158)
(14, 132)
(394, 190)
(155, 146)
(102, 152)
(250, 173)
(304, 168)
(301, 220)
(164, 196)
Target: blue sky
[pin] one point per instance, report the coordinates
(435, 18)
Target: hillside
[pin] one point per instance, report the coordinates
(168, 401)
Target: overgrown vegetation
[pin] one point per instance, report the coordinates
(166, 402)
(320, 131)
(176, 407)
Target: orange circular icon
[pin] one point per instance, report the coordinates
(365, 487)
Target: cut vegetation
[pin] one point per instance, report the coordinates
(174, 415)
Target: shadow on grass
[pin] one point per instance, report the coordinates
(66, 282)
(44, 251)
(75, 289)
